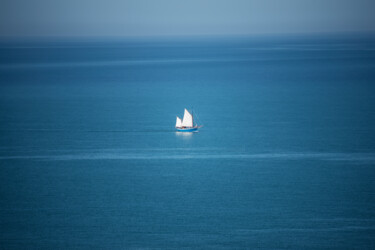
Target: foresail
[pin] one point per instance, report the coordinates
(187, 120)
(178, 122)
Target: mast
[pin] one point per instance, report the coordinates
(192, 116)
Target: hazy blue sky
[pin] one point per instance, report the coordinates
(182, 17)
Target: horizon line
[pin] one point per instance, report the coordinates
(197, 35)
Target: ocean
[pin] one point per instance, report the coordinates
(90, 159)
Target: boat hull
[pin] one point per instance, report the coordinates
(187, 129)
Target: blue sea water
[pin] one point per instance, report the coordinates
(89, 157)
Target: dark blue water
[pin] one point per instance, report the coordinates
(89, 158)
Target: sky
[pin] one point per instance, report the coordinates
(183, 17)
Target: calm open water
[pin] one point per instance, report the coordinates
(89, 158)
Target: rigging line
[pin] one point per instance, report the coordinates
(199, 120)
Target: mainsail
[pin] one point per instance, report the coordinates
(178, 122)
(187, 121)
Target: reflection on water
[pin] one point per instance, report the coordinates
(185, 135)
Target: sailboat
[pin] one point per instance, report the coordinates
(187, 123)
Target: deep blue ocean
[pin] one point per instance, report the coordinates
(89, 156)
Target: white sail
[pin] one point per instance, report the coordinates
(187, 121)
(178, 122)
